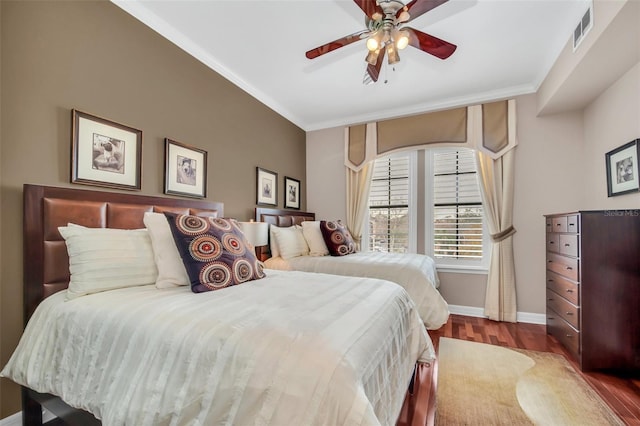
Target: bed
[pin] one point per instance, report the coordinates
(289, 348)
(416, 273)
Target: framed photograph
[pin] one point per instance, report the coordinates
(105, 153)
(291, 193)
(622, 169)
(185, 170)
(266, 187)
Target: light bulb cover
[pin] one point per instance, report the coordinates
(392, 54)
(372, 44)
(402, 39)
(372, 56)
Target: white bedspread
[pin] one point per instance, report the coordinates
(290, 349)
(415, 272)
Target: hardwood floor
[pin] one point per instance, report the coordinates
(622, 394)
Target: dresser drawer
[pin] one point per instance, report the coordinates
(564, 287)
(563, 332)
(568, 244)
(559, 224)
(573, 224)
(553, 242)
(568, 311)
(565, 266)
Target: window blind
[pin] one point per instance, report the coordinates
(389, 205)
(458, 213)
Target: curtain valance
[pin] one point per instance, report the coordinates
(489, 128)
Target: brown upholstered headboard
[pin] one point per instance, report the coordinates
(46, 264)
(279, 217)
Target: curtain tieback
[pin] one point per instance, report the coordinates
(502, 235)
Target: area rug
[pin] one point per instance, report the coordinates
(482, 384)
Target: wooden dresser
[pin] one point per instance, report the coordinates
(593, 287)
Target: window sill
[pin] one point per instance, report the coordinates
(479, 270)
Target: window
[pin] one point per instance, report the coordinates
(454, 208)
(389, 205)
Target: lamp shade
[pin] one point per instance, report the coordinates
(256, 232)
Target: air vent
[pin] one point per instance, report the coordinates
(583, 27)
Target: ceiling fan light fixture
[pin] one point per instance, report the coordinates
(404, 15)
(401, 39)
(372, 56)
(372, 44)
(392, 54)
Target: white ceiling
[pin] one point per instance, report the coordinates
(505, 48)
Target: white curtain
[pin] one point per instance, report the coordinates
(358, 185)
(496, 185)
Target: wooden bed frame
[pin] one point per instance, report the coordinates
(46, 272)
(46, 264)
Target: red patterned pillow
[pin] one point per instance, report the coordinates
(337, 238)
(214, 251)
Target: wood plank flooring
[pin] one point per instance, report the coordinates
(622, 394)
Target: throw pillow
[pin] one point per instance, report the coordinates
(313, 235)
(103, 259)
(337, 238)
(214, 251)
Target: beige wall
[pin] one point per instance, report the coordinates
(609, 122)
(94, 57)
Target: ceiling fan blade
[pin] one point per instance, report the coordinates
(416, 8)
(430, 44)
(373, 71)
(369, 7)
(336, 44)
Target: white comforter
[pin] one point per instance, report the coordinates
(415, 272)
(290, 349)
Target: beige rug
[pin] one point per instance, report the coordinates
(481, 384)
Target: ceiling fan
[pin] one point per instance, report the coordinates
(386, 35)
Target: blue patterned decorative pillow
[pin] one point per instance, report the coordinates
(214, 251)
(337, 238)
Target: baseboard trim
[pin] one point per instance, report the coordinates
(472, 311)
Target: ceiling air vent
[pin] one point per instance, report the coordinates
(583, 27)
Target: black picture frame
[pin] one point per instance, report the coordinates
(622, 169)
(266, 187)
(291, 193)
(105, 153)
(185, 170)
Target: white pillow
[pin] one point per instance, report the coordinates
(273, 245)
(313, 236)
(171, 270)
(103, 259)
(290, 241)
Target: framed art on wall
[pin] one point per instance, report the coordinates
(266, 187)
(185, 170)
(105, 153)
(291, 193)
(622, 169)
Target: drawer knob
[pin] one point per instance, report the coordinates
(550, 299)
(550, 318)
(569, 268)
(550, 280)
(569, 313)
(551, 242)
(557, 224)
(567, 245)
(569, 290)
(568, 335)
